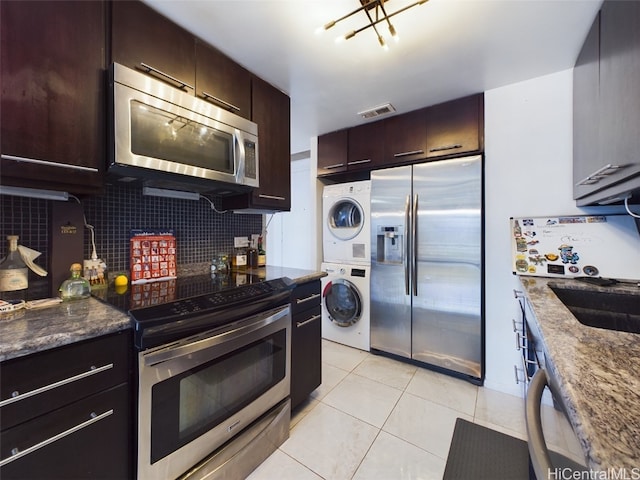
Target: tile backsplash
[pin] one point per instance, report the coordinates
(200, 231)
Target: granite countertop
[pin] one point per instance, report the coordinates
(29, 331)
(597, 372)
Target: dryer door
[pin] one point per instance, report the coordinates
(343, 302)
(345, 219)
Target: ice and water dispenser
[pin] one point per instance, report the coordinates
(390, 244)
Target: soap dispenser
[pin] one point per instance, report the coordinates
(76, 287)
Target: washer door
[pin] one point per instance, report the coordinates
(343, 302)
(345, 219)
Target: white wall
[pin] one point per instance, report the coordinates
(528, 172)
(291, 236)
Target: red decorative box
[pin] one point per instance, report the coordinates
(153, 255)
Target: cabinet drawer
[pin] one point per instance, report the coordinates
(305, 297)
(39, 383)
(87, 439)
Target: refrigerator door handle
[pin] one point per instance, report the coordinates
(414, 250)
(407, 251)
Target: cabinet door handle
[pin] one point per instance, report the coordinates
(150, 69)
(406, 154)
(306, 299)
(599, 174)
(312, 319)
(521, 341)
(16, 396)
(47, 163)
(16, 454)
(271, 197)
(337, 165)
(228, 105)
(358, 162)
(445, 147)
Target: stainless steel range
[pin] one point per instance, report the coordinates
(213, 381)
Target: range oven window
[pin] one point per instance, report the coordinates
(156, 133)
(185, 406)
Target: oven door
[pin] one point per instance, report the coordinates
(198, 393)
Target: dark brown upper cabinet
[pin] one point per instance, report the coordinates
(405, 137)
(332, 152)
(221, 81)
(614, 109)
(586, 111)
(455, 127)
(52, 108)
(145, 40)
(271, 112)
(366, 146)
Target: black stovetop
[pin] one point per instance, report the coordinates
(142, 295)
(168, 310)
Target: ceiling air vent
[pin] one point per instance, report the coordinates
(377, 111)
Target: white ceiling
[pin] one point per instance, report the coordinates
(447, 49)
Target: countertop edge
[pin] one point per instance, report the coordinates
(594, 369)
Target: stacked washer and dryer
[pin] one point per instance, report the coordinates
(346, 248)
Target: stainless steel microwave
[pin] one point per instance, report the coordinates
(169, 138)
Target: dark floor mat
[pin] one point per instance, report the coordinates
(480, 453)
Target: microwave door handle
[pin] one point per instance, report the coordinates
(407, 249)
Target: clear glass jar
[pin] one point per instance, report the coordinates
(14, 274)
(76, 287)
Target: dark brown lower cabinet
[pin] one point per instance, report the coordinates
(67, 412)
(306, 341)
(88, 440)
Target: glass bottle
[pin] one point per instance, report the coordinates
(75, 287)
(262, 255)
(239, 260)
(14, 275)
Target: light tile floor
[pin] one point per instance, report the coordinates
(378, 418)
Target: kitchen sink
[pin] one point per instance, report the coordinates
(612, 311)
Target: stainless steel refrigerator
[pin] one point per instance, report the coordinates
(427, 265)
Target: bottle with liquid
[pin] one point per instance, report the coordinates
(239, 259)
(262, 255)
(75, 287)
(14, 274)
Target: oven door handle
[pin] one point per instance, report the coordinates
(210, 338)
(537, 447)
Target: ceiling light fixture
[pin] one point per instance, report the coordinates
(379, 15)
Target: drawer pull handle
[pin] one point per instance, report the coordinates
(406, 154)
(228, 105)
(599, 174)
(446, 147)
(47, 163)
(16, 454)
(150, 69)
(521, 341)
(306, 299)
(337, 165)
(515, 372)
(272, 197)
(358, 162)
(312, 319)
(16, 396)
